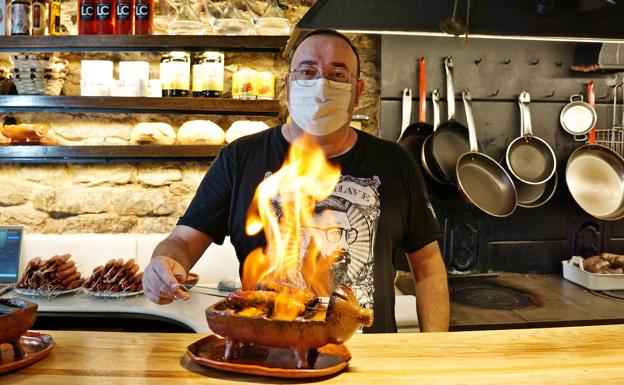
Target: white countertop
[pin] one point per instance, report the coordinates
(189, 313)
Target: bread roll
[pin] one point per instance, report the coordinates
(153, 133)
(200, 132)
(242, 128)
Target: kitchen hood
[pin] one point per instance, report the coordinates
(567, 20)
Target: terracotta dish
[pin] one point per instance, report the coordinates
(343, 317)
(36, 346)
(267, 361)
(16, 317)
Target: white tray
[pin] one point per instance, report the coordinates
(573, 271)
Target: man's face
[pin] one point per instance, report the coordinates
(328, 53)
(332, 233)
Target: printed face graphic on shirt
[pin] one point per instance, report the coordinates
(344, 228)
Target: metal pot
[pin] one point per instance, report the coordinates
(578, 117)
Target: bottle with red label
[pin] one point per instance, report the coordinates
(123, 17)
(86, 21)
(104, 21)
(143, 17)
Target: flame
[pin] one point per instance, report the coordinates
(305, 178)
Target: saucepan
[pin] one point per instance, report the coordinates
(482, 180)
(578, 117)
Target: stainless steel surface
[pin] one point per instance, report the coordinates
(483, 181)
(530, 158)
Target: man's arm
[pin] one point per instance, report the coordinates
(171, 261)
(432, 297)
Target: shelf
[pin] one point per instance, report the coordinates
(159, 43)
(108, 104)
(110, 153)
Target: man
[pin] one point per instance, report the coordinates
(379, 182)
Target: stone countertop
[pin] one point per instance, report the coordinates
(558, 302)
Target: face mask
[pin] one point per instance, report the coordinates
(318, 108)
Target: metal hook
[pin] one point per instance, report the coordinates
(478, 61)
(559, 63)
(507, 61)
(535, 62)
(552, 94)
(495, 93)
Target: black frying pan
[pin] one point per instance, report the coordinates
(530, 158)
(426, 154)
(450, 139)
(483, 181)
(422, 127)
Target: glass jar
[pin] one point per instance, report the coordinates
(208, 71)
(186, 21)
(20, 17)
(266, 85)
(273, 21)
(175, 74)
(245, 84)
(232, 22)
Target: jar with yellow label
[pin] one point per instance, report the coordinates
(175, 74)
(245, 84)
(266, 85)
(208, 71)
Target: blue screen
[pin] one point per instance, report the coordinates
(10, 247)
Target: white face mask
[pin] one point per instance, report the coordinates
(320, 108)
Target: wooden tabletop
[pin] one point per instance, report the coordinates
(575, 355)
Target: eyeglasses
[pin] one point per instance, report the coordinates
(335, 234)
(306, 76)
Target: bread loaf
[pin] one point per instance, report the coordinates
(200, 132)
(153, 133)
(242, 128)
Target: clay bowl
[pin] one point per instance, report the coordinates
(343, 318)
(16, 317)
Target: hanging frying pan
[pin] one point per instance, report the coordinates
(406, 110)
(450, 139)
(578, 117)
(548, 191)
(529, 158)
(595, 178)
(483, 181)
(426, 154)
(422, 127)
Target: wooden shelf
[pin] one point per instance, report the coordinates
(110, 153)
(159, 43)
(108, 104)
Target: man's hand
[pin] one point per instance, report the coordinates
(171, 260)
(161, 278)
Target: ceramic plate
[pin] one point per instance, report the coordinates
(35, 345)
(44, 293)
(268, 361)
(113, 294)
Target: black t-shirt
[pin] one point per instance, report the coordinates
(380, 207)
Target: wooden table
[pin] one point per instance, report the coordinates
(575, 355)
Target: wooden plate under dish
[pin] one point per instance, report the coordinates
(36, 346)
(268, 361)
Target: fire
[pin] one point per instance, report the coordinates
(282, 207)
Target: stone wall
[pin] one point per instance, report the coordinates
(134, 197)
